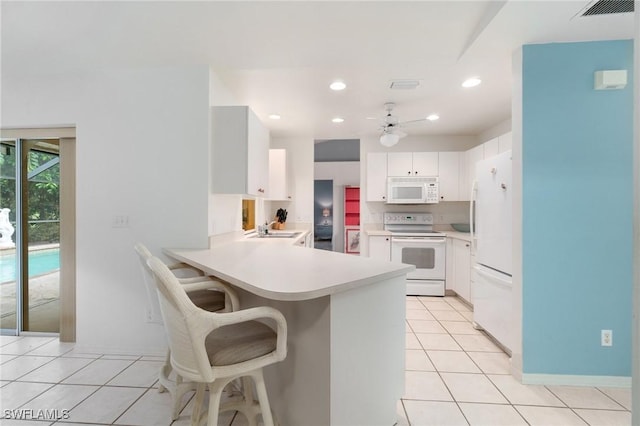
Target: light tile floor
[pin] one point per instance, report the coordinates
(455, 376)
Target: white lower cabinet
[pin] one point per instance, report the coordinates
(380, 247)
(459, 268)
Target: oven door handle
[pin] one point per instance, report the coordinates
(418, 240)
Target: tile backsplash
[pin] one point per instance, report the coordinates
(443, 213)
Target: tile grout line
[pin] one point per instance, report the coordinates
(474, 363)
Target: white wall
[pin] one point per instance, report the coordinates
(516, 317)
(142, 151)
(342, 173)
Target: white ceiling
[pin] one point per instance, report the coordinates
(279, 57)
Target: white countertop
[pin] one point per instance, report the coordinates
(465, 236)
(287, 272)
(381, 232)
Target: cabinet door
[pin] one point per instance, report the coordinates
(258, 157)
(229, 150)
(450, 276)
(278, 172)
(462, 265)
(449, 176)
(505, 142)
(380, 247)
(377, 176)
(474, 155)
(491, 147)
(400, 164)
(425, 164)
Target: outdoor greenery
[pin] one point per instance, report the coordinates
(43, 190)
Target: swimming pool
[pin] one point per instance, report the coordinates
(40, 262)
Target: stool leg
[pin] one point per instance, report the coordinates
(165, 370)
(261, 390)
(247, 391)
(215, 393)
(197, 404)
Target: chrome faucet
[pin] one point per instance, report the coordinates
(264, 229)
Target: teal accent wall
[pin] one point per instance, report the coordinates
(577, 209)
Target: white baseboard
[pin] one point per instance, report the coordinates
(569, 380)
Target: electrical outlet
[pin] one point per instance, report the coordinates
(606, 338)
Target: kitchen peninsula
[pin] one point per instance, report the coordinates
(346, 327)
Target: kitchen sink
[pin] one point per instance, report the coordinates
(277, 234)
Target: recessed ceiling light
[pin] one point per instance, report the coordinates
(433, 117)
(337, 120)
(337, 85)
(274, 116)
(471, 82)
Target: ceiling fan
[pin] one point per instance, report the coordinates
(390, 126)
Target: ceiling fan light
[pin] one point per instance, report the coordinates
(389, 139)
(433, 117)
(337, 120)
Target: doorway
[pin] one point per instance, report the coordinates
(37, 233)
(322, 214)
(338, 161)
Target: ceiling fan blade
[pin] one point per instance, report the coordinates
(412, 121)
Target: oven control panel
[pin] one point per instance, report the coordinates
(408, 219)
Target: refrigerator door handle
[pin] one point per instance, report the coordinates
(472, 200)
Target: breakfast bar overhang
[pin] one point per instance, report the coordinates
(346, 328)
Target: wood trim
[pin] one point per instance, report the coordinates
(36, 133)
(67, 240)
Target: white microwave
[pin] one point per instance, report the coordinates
(412, 190)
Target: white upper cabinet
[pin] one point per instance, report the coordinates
(400, 164)
(377, 176)
(425, 164)
(278, 175)
(240, 152)
(505, 142)
(449, 175)
(471, 157)
(492, 147)
(412, 164)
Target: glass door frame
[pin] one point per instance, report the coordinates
(67, 296)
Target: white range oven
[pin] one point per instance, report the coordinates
(413, 241)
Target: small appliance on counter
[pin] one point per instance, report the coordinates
(413, 241)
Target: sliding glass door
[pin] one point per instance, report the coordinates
(30, 235)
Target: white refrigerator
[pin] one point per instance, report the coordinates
(492, 231)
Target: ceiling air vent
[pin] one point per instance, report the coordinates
(603, 7)
(404, 84)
